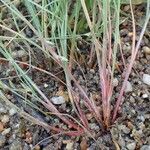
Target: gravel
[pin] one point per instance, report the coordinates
(141, 118)
(12, 111)
(2, 109)
(5, 119)
(6, 131)
(145, 147)
(19, 53)
(128, 87)
(69, 146)
(115, 82)
(146, 79)
(145, 96)
(16, 145)
(121, 141)
(2, 140)
(132, 99)
(131, 146)
(58, 100)
(125, 129)
(94, 126)
(146, 50)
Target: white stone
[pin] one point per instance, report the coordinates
(69, 146)
(146, 79)
(6, 131)
(128, 87)
(146, 50)
(145, 95)
(145, 147)
(115, 82)
(5, 119)
(19, 53)
(132, 100)
(131, 146)
(12, 111)
(141, 118)
(17, 2)
(45, 85)
(58, 100)
(93, 126)
(3, 110)
(125, 129)
(92, 70)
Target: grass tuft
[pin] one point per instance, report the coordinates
(57, 26)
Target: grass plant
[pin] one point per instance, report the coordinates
(57, 25)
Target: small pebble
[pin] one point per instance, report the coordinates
(17, 3)
(146, 79)
(69, 146)
(6, 131)
(121, 141)
(92, 71)
(141, 126)
(128, 87)
(133, 94)
(37, 147)
(28, 32)
(146, 50)
(141, 118)
(127, 47)
(125, 129)
(5, 119)
(89, 116)
(58, 100)
(130, 125)
(19, 54)
(16, 145)
(12, 111)
(130, 34)
(132, 100)
(115, 82)
(131, 146)
(126, 8)
(92, 146)
(26, 147)
(93, 126)
(2, 109)
(139, 132)
(45, 85)
(147, 116)
(133, 111)
(2, 140)
(145, 96)
(145, 147)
